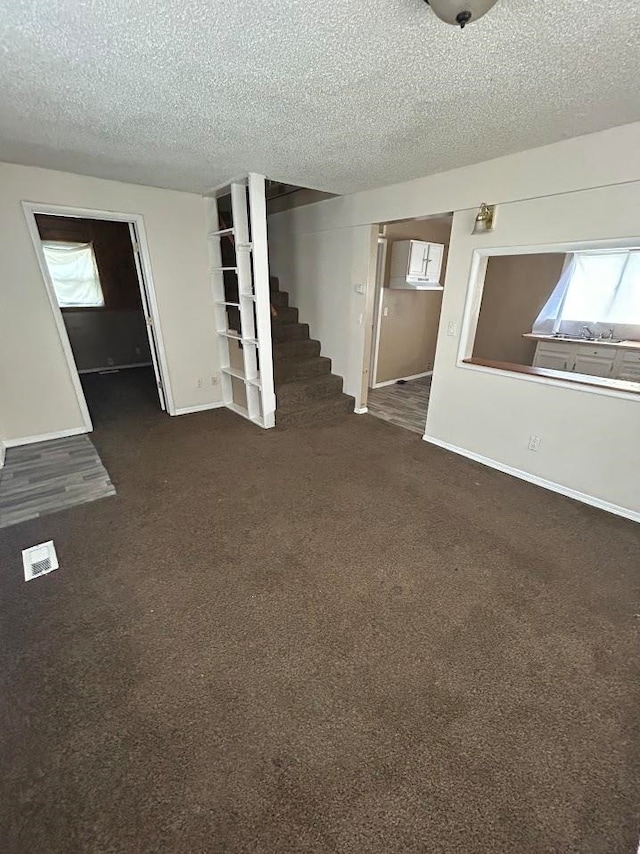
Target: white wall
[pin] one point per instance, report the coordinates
(589, 441)
(36, 393)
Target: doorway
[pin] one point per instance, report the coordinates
(410, 272)
(96, 269)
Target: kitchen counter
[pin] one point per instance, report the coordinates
(619, 345)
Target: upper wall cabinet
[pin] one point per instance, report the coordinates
(416, 265)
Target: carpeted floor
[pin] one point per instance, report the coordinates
(317, 640)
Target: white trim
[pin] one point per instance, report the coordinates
(44, 437)
(200, 407)
(32, 208)
(634, 515)
(473, 299)
(219, 189)
(382, 248)
(3, 450)
(360, 410)
(147, 290)
(406, 379)
(261, 282)
(477, 273)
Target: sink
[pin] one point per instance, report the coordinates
(593, 339)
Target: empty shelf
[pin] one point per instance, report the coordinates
(239, 375)
(231, 333)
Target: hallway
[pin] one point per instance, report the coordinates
(402, 404)
(122, 395)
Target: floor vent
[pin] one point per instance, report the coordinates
(39, 560)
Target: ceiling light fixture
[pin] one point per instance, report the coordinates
(460, 12)
(485, 219)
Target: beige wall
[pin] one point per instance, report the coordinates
(36, 391)
(584, 189)
(409, 330)
(515, 289)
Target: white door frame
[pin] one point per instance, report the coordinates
(145, 282)
(383, 246)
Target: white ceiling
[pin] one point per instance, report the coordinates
(339, 95)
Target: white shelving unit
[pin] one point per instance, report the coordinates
(246, 356)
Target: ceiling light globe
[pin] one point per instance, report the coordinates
(460, 12)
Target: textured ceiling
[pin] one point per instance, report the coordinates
(339, 95)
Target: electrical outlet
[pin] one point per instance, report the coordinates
(534, 443)
(452, 329)
(385, 311)
(199, 382)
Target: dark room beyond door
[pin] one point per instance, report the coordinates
(107, 332)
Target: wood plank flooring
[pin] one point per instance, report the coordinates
(404, 405)
(48, 476)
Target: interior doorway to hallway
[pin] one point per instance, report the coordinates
(409, 282)
(96, 270)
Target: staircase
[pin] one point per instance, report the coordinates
(306, 391)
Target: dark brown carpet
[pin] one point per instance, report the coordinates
(317, 640)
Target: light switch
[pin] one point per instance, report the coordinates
(360, 289)
(385, 311)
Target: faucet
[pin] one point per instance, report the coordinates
(589, 333)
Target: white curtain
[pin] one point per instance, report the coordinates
(549, 318)
(625, 307)
(595, 288)
(74, 273)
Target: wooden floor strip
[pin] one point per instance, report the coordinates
(404, 405)
(49, 476)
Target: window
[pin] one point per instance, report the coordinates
(74, 273)
(595, 287)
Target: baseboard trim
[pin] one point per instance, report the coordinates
(201, 407)
(360, 410)
(3, 450)
(406, 379)
(44, 437)
(607, 506)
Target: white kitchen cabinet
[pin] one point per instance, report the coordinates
(594, 366)
(627, 366)
(553, 361)
(592, 359)
(556, 357)
(416, 265)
